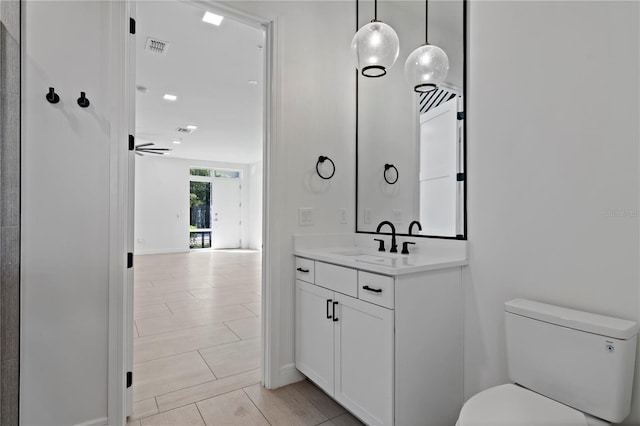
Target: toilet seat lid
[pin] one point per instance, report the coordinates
(511, 405)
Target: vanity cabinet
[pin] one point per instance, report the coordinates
(345, 345)
(389, 349)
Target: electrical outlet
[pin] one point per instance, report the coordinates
(397, 215)
(305, 216)
(343, 215)
(367, 216)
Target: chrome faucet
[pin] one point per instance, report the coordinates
(394, 245)
(415, 222)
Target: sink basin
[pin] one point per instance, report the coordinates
(375, 258)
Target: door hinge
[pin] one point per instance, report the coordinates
(129, 260)
(132, 26)
(132, 143)
(129, 379)
(460, 177)
(461, 115)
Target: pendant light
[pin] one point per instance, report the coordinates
(375, 47)
(427, 66)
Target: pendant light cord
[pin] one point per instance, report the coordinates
(375, 10)
(426, 21)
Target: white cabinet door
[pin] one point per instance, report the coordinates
(315, 334)
(364, 360)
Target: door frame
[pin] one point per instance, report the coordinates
(122, 82)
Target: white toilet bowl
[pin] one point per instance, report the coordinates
(512, 405)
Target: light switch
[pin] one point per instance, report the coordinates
(397, 215)
(343, 215)
(305, 216)
(367, 216)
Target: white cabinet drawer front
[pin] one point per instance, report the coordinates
(337, 278)
(305, 270)
(376, 289)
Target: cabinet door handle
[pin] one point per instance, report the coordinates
(328, 304)
(375, 290)
(302, 270)
(335, 318)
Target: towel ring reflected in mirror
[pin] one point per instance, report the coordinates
(388, 167)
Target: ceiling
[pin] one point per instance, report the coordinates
(209, 69)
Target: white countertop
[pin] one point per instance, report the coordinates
(355, 251)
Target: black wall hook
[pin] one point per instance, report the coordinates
(386, 169)
(322, 159)
(52, 96)
(83, 101)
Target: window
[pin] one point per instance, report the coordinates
(200, 172)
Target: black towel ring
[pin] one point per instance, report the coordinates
(322, 159)
(386, 168)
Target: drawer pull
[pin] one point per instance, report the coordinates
(375, 290)
(329, 316)
(335, 318)
(306, 271)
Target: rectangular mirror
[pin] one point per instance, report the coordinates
(410, 147)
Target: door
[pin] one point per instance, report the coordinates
(225, 225)
(439, 153)
(364, 359)
(131, 166)
(315, 334)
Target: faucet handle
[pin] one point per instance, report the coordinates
(381, 246)
(405, 247)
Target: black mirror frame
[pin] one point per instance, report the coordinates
(464, 235)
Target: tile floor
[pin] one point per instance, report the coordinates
(197, 347)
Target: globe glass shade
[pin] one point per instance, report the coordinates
(375, 48)
(426, 68)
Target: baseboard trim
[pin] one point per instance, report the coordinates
(289, 374)
(161, 251)
(102, 421)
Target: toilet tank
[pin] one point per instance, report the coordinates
(580, 359)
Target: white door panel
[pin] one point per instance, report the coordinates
(439, 153)
(225, 221)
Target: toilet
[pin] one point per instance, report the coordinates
(568, 367)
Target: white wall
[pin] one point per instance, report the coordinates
(553, 107)
(65, 213)
(316, 106)
(162, 202)
(254, 182)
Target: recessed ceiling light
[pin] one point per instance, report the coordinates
(192, 127)
(212, 18)
(177, 142)
(253, 82)
(169, 97)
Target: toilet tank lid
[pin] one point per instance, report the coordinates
(579, 320)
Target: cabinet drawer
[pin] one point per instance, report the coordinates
(337, 278)
(376, 289)
(305, 270)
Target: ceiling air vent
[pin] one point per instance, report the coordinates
(184, 130)
(156, 46)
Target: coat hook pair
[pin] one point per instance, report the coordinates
(54, 98)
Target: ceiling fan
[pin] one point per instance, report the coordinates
(145, 148)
